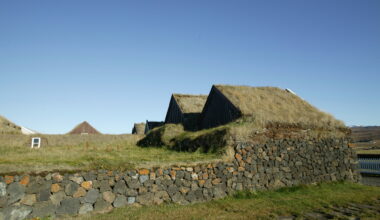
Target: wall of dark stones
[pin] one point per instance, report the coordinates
(256, 166)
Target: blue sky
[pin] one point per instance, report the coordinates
(114, 63)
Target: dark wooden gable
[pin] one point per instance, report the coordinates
(218, 110)
(174, 114)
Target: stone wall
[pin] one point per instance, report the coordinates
(256, 166)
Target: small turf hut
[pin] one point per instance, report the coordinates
(138, 128)
(265, 105)
(149, 125)
(83, 129)
(185, 109)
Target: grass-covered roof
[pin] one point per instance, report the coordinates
(8, 127)
(190, 103)
(275, 105)
(84, 128)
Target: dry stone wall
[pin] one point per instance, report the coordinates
(255, 166)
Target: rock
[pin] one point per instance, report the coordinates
(131, 192)
(89, 176)
(55, 188)
(71, 188)
(108, 196)
(69, 206)
(48, 176)
(120, 187)
(77, 179)
(218, 192)
(3, 189)
(17, 213)
(3, 202)
(79, 193)
(86, 208)
(143, 178)
(29, 199)
(16, 191)
(131, 200)
(172, 190)
(120, 201)
(152, 176)
(102, 206)
(238, 157)
(144, 172)
(133, 184)
(191, 197)
(87, 185)
(145, 199)
(162, 195)
(91, 196)
(43, 195)
(57, 177)
(216, 181)
(194, 176)
(178, 198)
(56, 198)
(104, 186)
(43, 209)
(25, 180)
(9, 179)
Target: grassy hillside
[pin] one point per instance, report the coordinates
(8, 127)
(295, 201)
(365, 134)
(86, 152)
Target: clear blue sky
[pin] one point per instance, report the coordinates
(114, 63)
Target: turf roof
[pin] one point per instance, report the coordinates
(275, 105)
(190, 103)
(84, 127)
(8, 127)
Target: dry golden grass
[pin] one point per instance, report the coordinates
(190, 103)
(273, 105)
(8, 127)
(87, 152)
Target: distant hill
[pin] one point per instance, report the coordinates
(8, 127)
(365, 133)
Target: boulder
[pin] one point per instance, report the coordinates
(120, 201)
(102, 206)
(109, 196)
(29, 199)
(69, 206)
(86, 208)
(91, 196)
(120, 187)
(71, 188)
(3, 189)
(56, 198)
(43, 209)
(16, 191)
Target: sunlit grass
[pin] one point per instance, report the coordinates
(118, 154)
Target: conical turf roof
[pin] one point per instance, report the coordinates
(84, 128)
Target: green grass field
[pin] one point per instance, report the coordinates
(86, 153)
(294, 201)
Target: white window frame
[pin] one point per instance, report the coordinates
(33, 144)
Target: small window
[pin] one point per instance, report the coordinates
(36, 142)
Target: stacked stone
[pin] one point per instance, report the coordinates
(273, 164)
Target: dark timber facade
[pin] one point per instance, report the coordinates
(149, 125)
(185, 110)
(218, 110)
